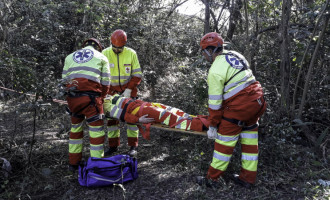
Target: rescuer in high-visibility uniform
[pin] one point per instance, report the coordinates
(126, 75)
(236, 103)
(87, 79)
(133, 111)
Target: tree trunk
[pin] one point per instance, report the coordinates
(304, 56)
(254, 40)
(217, 19)
(235, 15)
(311, 64)
(4, 11)
(207, 16)
(247, 41)
(285, 57)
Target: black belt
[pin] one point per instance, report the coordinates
(91, 94)
(115, 99)
(241, 123)
(235, 121)
(122, 115)
(83, 93)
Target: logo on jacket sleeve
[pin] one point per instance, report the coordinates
(83, 55)
(236, 62)
(127, 69)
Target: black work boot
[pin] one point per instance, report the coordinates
(73, 168)
(132, 151)
(202, 180)
(240, 182)
(110, 151)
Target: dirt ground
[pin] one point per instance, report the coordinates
(167, 165)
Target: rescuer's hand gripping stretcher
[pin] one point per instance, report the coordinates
(165, 117)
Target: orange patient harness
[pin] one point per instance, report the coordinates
(176, 120)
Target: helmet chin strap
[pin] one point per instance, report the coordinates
(210, 55)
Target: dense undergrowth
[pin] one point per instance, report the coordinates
(36, 36)
(289, 168)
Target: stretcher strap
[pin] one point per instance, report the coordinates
(166, 114)
(122, 115)
(145, 133)
(180, 121)
(141, 108)
(203, 120)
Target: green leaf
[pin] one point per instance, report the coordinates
(322, 136)
(316, 163)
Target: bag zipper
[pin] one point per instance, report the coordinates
(114, 162)
(104, 179)
(100, 159)
(104, 169)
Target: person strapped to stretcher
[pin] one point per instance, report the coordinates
(137, 111)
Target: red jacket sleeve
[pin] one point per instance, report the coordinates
(215, 117)
(105, 90)
(134, 82)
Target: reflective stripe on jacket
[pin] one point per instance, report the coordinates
(125, 69)
(87, 63)
(224, 67)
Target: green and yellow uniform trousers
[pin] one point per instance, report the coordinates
(114, 134)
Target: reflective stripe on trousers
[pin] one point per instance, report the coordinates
(223, 150)
(114, 134)
(96, 138)
(76, 138)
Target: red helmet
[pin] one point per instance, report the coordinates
(93, 42)
(118, 38)
(211, 39)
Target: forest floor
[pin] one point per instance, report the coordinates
(167, 165)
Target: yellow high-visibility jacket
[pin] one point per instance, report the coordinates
(125, 70)
(228, 75)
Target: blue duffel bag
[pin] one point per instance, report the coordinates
(107, 171)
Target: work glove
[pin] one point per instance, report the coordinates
(145, 119)
(212, 132)
(127, 93)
